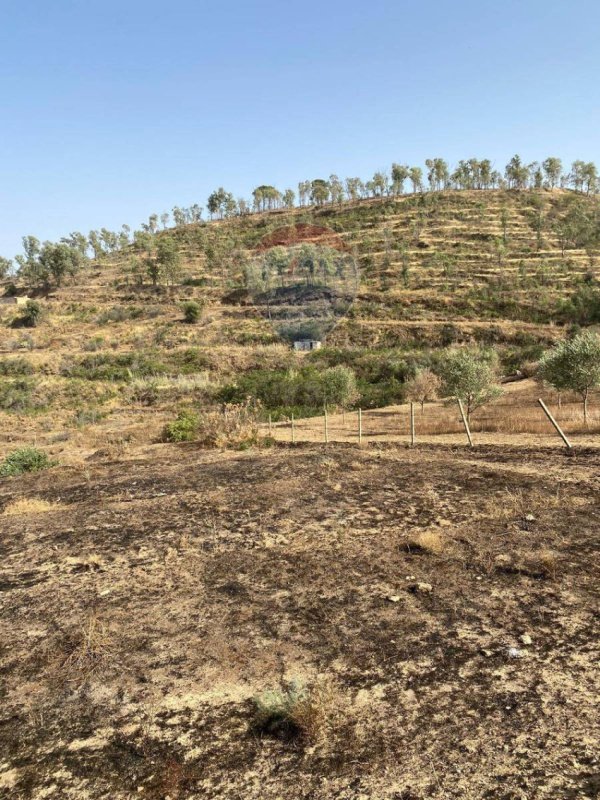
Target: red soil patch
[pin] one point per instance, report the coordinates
(302, 232)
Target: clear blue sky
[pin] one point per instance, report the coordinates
(114, 109)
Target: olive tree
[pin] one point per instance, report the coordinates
(5, 267)
(168, 259)
(573, 365)
(424, 387)
(470, 376)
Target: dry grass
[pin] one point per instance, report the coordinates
(431, 542)
(315, 713)
(520, 503)
(29, 505)
(91, 648)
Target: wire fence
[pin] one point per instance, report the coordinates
(515, 421)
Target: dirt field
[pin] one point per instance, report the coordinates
(449, 597)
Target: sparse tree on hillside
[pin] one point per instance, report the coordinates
(424, 387)
(168, 259)
(243, 207)
(573, 365)
(142, 241)
(319, 191)
(222, 203)
(354, 188)
(76, 241)
(288, 198)
(552, 170)
(164, 219)
(438, 174)
(470, 375)
(400, 174)
(336, 189)
(415, 175)
(58, 260)
(517, 173)
(379, 184)
(5, 267)
(304, 191)
(178, 216)
(196, 213)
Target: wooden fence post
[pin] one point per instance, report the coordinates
(555, 424)
(465, 422)
(412, 424)
(326, 424)
(270, 425)
(359, 427)
(293, 431)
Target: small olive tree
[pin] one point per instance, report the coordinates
(424, 387)
(573, 365)
(470, 375)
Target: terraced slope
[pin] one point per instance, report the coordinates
(494, 267)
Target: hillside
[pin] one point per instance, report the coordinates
(249, 618)
(112, 360)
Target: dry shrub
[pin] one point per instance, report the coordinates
(518, 503)
(542, 563)
(90, 649)
(431, 542)
(235, 426)
(324, 718)
(315, 714)
(29, 505)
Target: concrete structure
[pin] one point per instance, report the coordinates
(307, 344)
(8, 300)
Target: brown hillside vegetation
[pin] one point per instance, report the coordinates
(112, 360)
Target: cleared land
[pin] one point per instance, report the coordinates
(450, 596)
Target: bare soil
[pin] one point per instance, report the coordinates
(452, 595)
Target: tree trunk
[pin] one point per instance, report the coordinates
(585, 409)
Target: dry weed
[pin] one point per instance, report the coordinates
(431, 542)
(29, 505)
(91, 648)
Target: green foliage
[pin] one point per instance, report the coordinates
(573, 365)
(276, 710)
(16, 396)
(15, 366)
(5, 267)
(24, 459)
(108, 367)
(192, 312)
(168, 259)
(182, 429)
(470, 375)
(303, 390)
(30, 316)
(120, 314)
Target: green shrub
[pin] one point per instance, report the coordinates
(15, 366)
(182, 429)
(30, 316)
(16, 395)
(108, 367)
(191, 312)
(308, 387)
(25, 459)
(120, 314)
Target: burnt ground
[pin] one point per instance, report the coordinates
(145, 609)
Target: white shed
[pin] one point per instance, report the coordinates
(307, 344)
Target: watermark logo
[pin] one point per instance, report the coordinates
(303, 278)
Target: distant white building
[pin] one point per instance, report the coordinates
(307, 344)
